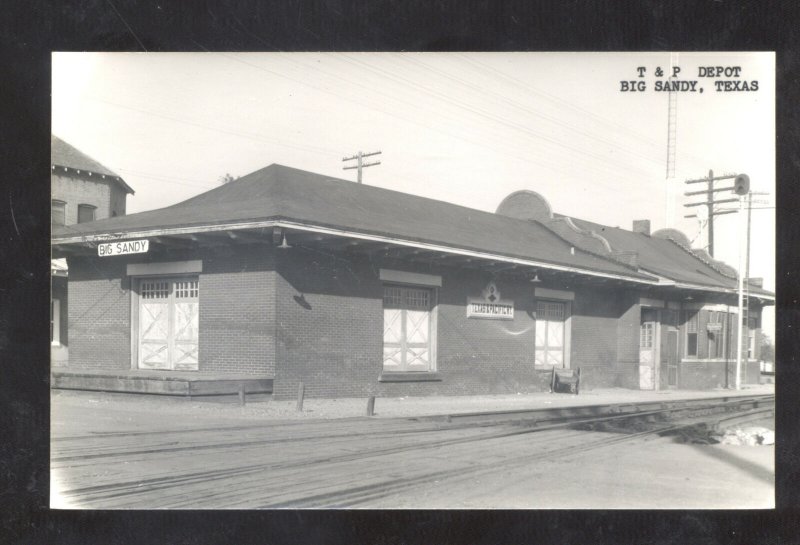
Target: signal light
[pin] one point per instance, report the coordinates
(741, 184)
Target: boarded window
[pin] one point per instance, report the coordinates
(407, 329)
(86, 213)
(169, 324)
(58, 212)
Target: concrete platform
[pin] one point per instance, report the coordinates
(175, 383)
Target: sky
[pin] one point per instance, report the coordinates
(467, 128)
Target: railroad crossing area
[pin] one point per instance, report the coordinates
(599, 449)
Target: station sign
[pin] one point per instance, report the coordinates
(714, 326)
(123, 247)
(498, 311)
(490, 305)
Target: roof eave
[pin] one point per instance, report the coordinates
(113, 177)
(667, 282)
(288, 224)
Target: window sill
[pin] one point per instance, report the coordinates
(410, 377)
(551, 367)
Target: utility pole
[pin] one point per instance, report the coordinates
(741, 186)
(710, 202)
(361, 164)
(746, 304)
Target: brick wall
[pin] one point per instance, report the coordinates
(75, 190)
(482, 355)
(99, 314)
(704, 375)
(329, 326)
(59, 291)
(318, 318)
(330, 332)
(628, 340)
(118, 201)
(237, 310)
(605, 337)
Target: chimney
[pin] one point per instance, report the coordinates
(757, 282)
(641, 226)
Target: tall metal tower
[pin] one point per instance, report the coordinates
(672, 140)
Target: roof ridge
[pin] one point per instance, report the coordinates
(324, 178)
(713, 263)
(595, 254)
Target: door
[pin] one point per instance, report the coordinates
(647, 349)
(668, 377)
(407, 343)
(168, 324)
(550, 317)
(672, 358)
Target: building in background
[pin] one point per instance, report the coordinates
(284, 277)
(82, 190)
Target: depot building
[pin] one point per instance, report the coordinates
(285, 277)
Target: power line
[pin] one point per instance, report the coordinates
(710, 202)
(523, 108)
(251, 136)
(622, 129)
(449, 99)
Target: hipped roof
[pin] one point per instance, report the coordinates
(65, 155)
(281, 193)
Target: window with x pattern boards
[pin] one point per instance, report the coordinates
(407, 329)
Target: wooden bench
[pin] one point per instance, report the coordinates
(567, 381)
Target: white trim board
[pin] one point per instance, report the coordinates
(548, 293)
(165, 267)
(405, 277)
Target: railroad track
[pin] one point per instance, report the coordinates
(341, 464)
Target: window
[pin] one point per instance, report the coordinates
(169, 324)
(646, 335)
(58, 212)
(714, 329)
(86, 213)
(408, 329)
(690, 319)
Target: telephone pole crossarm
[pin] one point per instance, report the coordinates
(714, 178)
(361, 165)
(705, 191)
(704, 203)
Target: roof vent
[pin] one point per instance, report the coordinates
(641, 226)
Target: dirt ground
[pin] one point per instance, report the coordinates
(647, 472)
(262, 407)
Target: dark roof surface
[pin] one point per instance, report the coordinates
(663, 257)
(65, 155)
(282, 193)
